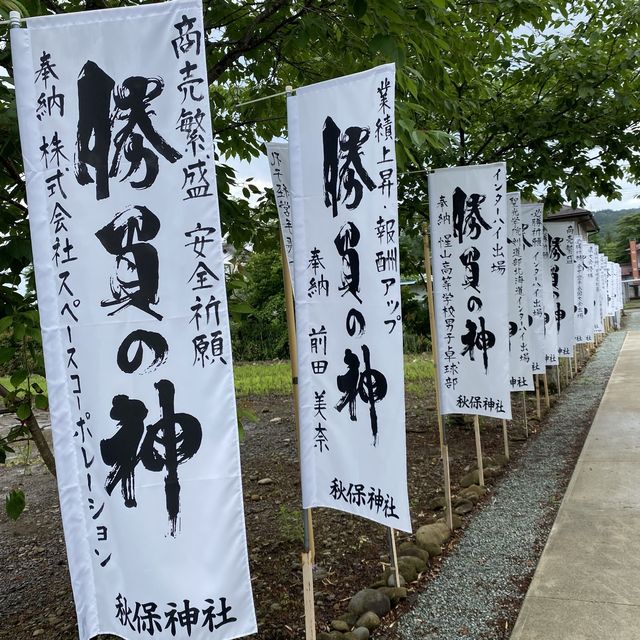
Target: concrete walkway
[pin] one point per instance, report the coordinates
(587, 584)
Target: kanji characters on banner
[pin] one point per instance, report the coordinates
(560, 238)
(520, 372)
(468, 218)
(532, 234)
(278, 155)
(116, 134)
(347, 278)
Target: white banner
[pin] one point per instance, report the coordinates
(116, 135)
(550, 327)
(532, 231)
(520, 375)
(560, 235)
(278, 155)
(347, 274)
(468, 214)
(583, 321)
(598, 324)
(590, 289)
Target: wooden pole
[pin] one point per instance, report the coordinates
(309, 553)
(394, 555)
(524, 408)
(505, 437)
(558, 374)
(546, 389)
(536, 381)
(442, 433)
(476, 429)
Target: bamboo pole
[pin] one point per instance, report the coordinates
(394, 555)
(536, 381)
(524, 408)
(546, 389)
(442, 433)
(558, 374)
(309, 553)
(476, 429)
(505, 437)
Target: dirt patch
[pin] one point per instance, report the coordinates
(35, 591)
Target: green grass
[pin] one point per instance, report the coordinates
(262, 378)
(274, 378)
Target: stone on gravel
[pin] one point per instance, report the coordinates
(264, 481)
(370, 620)
(340, 625)
(456, 521)
(405, 562)
(429, 534)
(361, 633)
(349, 618)
(369, 600)
(470, 478)
(464, 506)
(433, 550)
(500, 460)
(333, 635)
(395, 594)
(437, 503)
(391, 580)
(476, 489)
(410, 549)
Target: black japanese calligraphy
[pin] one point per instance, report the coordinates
(341, 162)
(103, 108)
(171, 441)
(136, 280)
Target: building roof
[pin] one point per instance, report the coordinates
(582, 216)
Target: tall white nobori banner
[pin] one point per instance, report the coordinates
(116, 135)
(278, 156)
(520, 374)
(347, 275)
(560, 247)
(598, 317)
(468, 216)
(583, 320)
(532, 234)
(550, 327)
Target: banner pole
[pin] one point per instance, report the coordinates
(308, 555)
(536, 380)
(476, 429)
(546, 389)
(524, 407)
(14, 20)
(444, 445)
(558, 374)
(394, 554)
(505, 437)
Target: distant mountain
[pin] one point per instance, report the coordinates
(607, 220)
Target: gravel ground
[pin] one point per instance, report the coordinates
(488, 572)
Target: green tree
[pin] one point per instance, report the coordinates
(627, 228)
(547, 85)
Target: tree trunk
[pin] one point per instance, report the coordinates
(38, 437)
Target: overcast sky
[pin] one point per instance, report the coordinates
(259, 170)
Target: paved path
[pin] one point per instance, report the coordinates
(587, 584)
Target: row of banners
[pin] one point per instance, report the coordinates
(119, 162)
